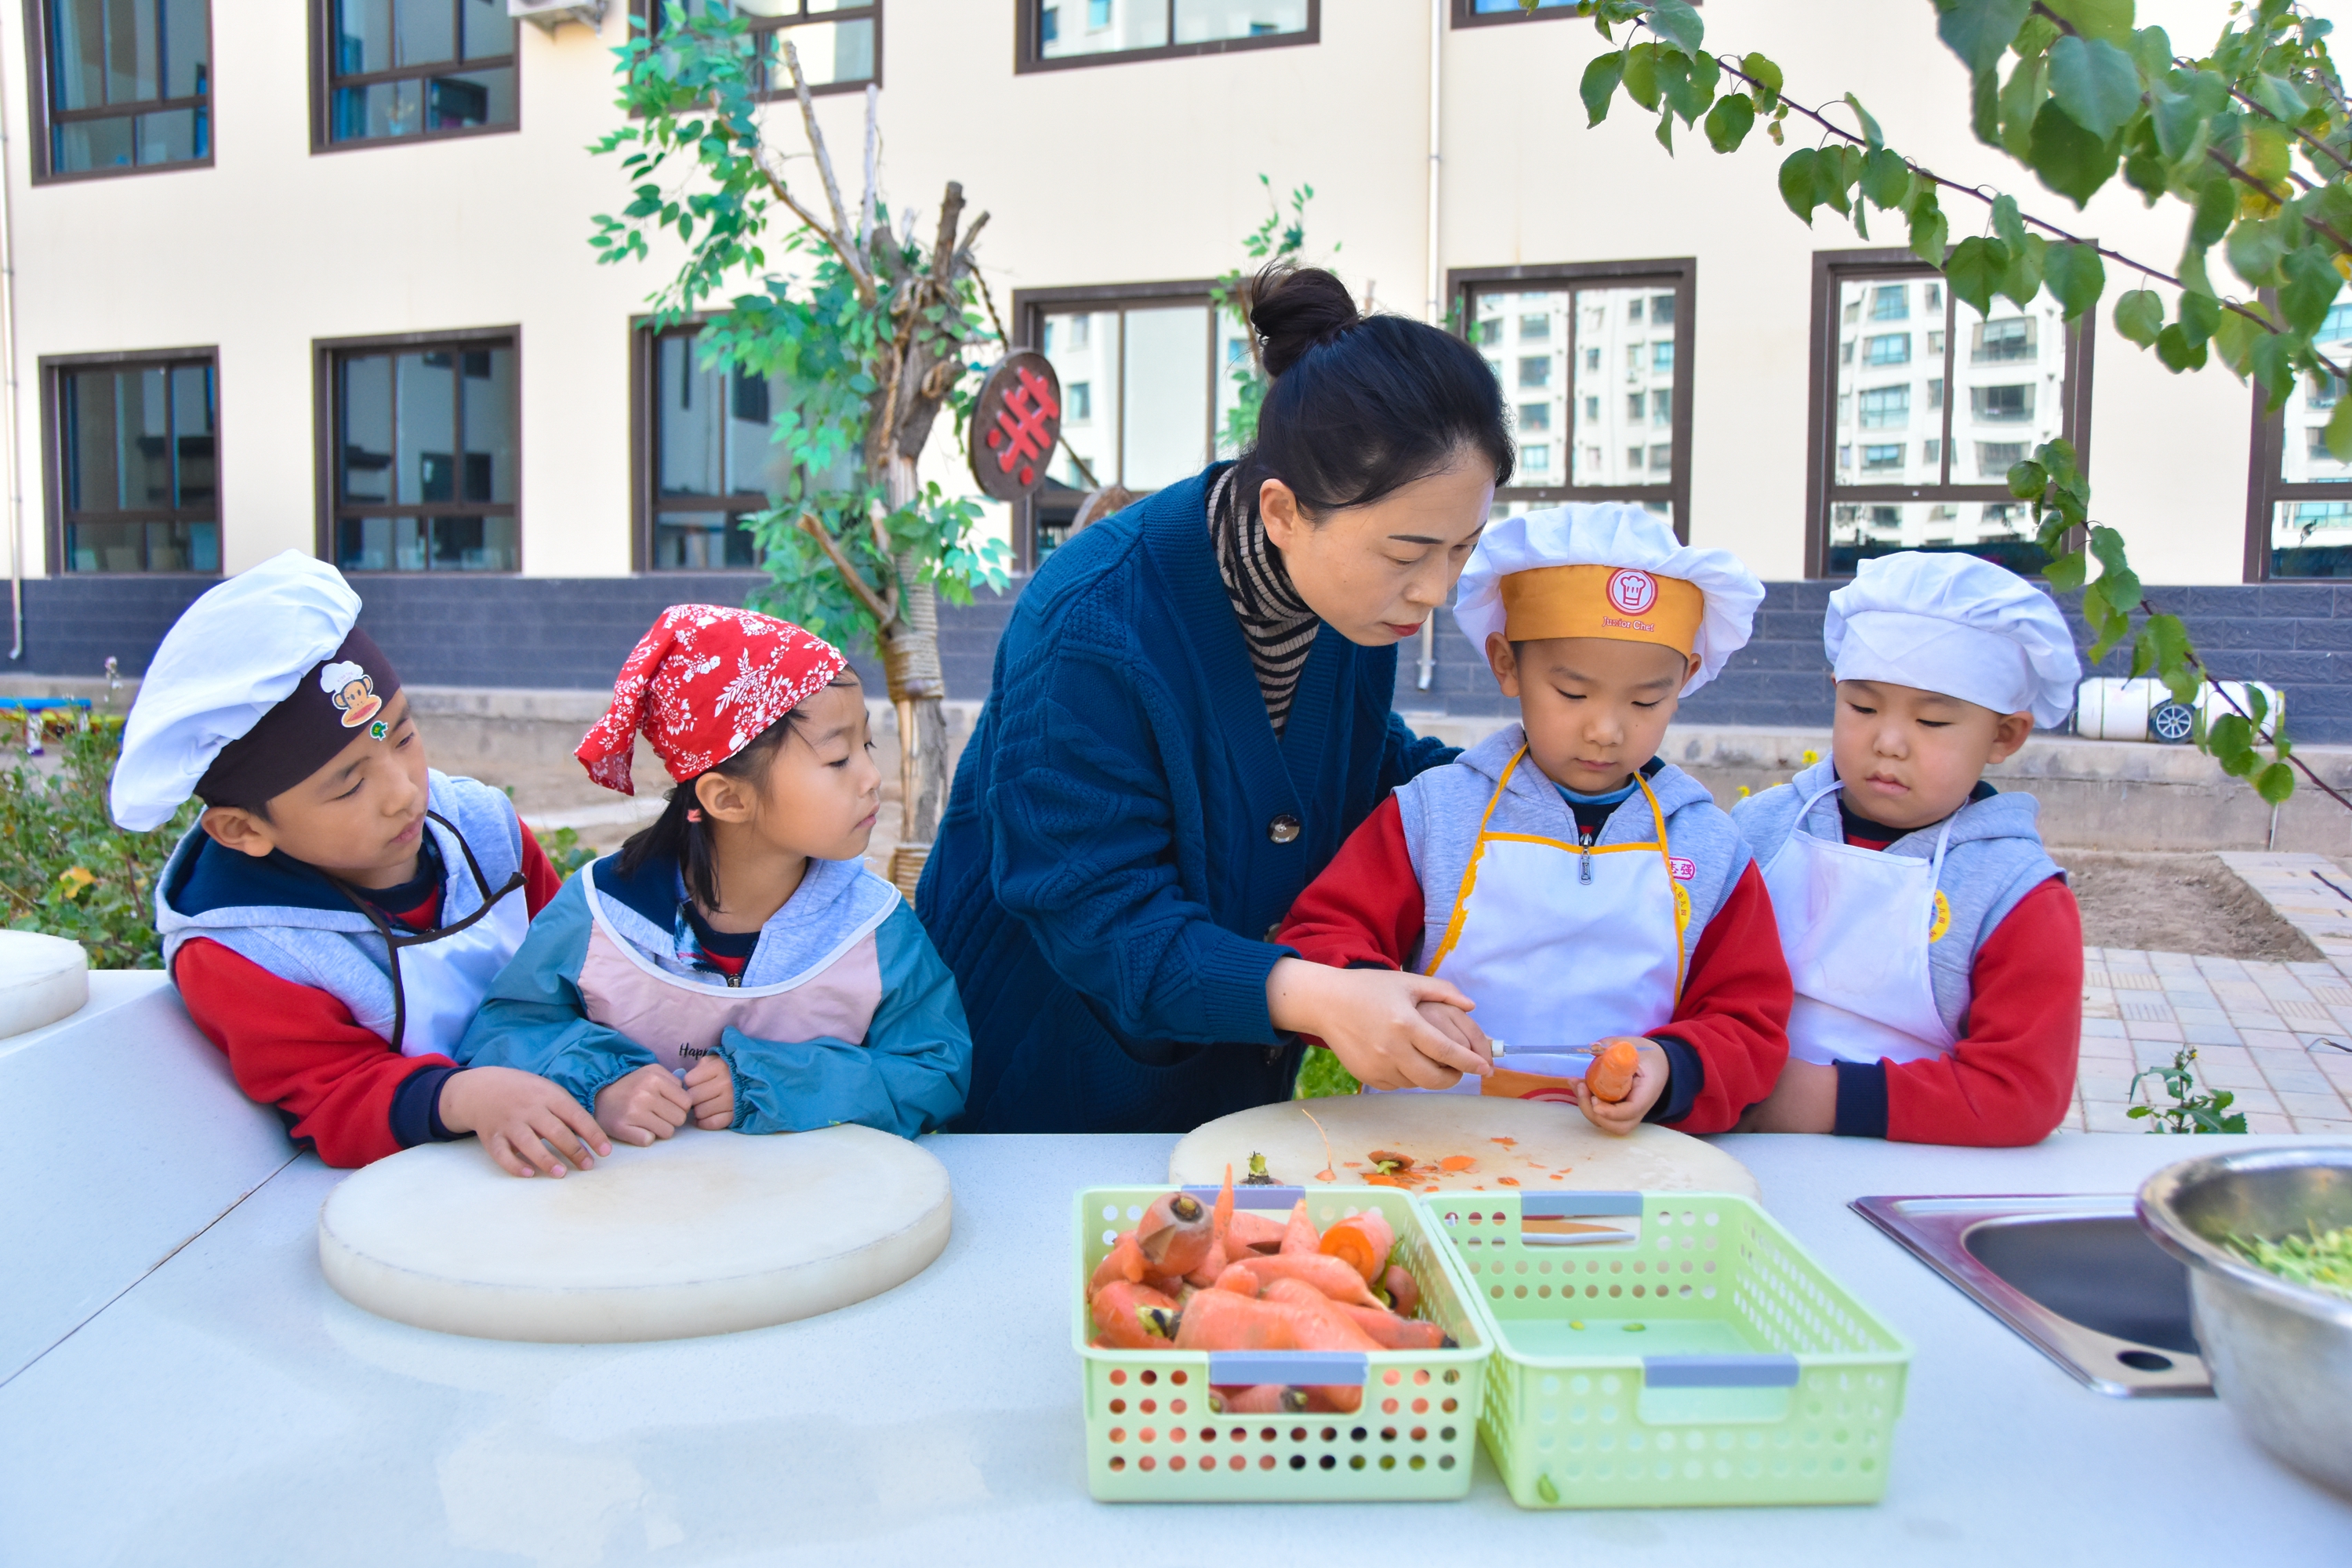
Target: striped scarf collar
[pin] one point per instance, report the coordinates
(1276, 622)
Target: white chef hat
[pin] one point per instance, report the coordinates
(1606, 569)
(1955, 623)
(235, 655)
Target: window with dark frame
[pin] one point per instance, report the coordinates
(122, 85)
(839, 44)
(422, 460)
(2298, 496)
(398, 70)
(708, 460)
(1151, 375)
(1052, 34)
(133, 463)
(1895, 464)
(1490, 13)
(1602, 364)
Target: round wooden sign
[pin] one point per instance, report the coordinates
(1016, 425)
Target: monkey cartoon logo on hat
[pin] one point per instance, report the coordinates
(352, 690)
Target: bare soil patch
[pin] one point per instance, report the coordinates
(2177, 903)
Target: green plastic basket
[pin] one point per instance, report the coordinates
(1152, 1436)
(1670, 1349)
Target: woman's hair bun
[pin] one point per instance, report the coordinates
(1292, 308)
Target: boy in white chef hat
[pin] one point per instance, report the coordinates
(1574, 885)
(1937, 952)
(335, 916)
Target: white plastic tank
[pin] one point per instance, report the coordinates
(42, 979)
(2107, 708)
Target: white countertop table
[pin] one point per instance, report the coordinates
(219, 1404)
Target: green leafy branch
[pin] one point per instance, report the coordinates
(1276, 238)
(2189, 1112)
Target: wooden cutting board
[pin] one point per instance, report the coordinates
(705, 1233)
(1532, 1146)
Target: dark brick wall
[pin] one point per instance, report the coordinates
(573, 632)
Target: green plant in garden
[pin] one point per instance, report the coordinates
(563, 850)
(869, 327)
(2190, 1110)
(66, 869)
(2252, 141)
(1277, 238)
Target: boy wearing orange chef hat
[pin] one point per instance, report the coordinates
(1574, 885)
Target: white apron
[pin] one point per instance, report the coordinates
(440, 977)
(1561, 945)
(1857, 925)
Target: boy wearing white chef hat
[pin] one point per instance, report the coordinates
(335, 916)
(1937, 951)
(1574, 885)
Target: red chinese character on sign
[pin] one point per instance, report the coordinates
(1025, 432)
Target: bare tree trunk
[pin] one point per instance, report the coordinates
(910, 664)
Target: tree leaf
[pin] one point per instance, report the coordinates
(2139, 316)
(2064, 573)
(2254, 249)
(1984, 107)
(1833, 174)
(2181, 127)
(2216, 204)
(2234, 339)
(2339, 430)
(1766, 75)
(1979, 31)
(2021, 99)
(1674, 21)
(1729, 122)
(1666, 130)
(2151, 47)
(2096, 82)
(2279, 97)
(2068, 159)
(1599, 85)
(2231, 740)
(1974, 270)
(2275, 784)
(1928, 229)
(2200, 315)
(2075, 277)
(2006, 224)
(1887, 179)
(2107, 19)
(1797, 182)
(2028, 480)
(2118, 584)
(2312, 282)
(2274, 369)
(2022, 279)
(1870, 135)
(2176, 352)
(1641, 75)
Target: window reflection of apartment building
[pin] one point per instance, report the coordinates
(2310, 529)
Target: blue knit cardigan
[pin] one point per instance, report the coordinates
(1124, 831)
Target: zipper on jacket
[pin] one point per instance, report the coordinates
(1584, 866)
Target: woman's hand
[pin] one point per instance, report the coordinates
(642, 1106)
(1804, 1100)
(527, 1123)
(1651, 1074)
(1372, 1021)
(710, 1089)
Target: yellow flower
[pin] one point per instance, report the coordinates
(75, 880)
(1742, 794)
(1812, 756)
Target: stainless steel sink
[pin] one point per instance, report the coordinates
(2077, 1276)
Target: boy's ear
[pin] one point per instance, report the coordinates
(235, 828)
(2010, 732)
(1503, 662)
(1689, 669)
(724, 798)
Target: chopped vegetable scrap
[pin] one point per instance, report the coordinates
(1259, 1176)
(1457, 1162)
(1249, 1283)
(2319, 1261)
(1508, 1181)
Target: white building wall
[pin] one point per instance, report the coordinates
(1120, 172)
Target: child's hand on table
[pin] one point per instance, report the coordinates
(1803, 1100)
(1622, 1116)
(518, 1116)
(711, 1091)
(643, 1106)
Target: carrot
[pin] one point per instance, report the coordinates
(1253, 1231)
(1342, 1332)
(1457, 1162)
(1362, 1242)
(1327, 1275)
(1211, 1267)
(1393, 1332)
(1238, 1278)
(1298, 1236)
(1334, 1400)
(1222, 1216)
(1125, 1261)
(1257, 1399)
(1404, 1292)
(1610, 1076)
(1119, 1310)
(1175, 1234)
(1221, 1321)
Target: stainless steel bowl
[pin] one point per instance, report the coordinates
(2280, 1355)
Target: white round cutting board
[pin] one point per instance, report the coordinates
(1550, 1147)
(704, 1233)
(42, 980)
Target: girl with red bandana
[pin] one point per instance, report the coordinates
(735, 965)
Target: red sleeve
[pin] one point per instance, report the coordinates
(1365, 906)
(2012, 1079)
(1734, 1010)
(540, 880)
(298, 1049)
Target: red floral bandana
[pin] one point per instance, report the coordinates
(702, 685)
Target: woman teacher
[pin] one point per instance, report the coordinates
(1190, 714)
